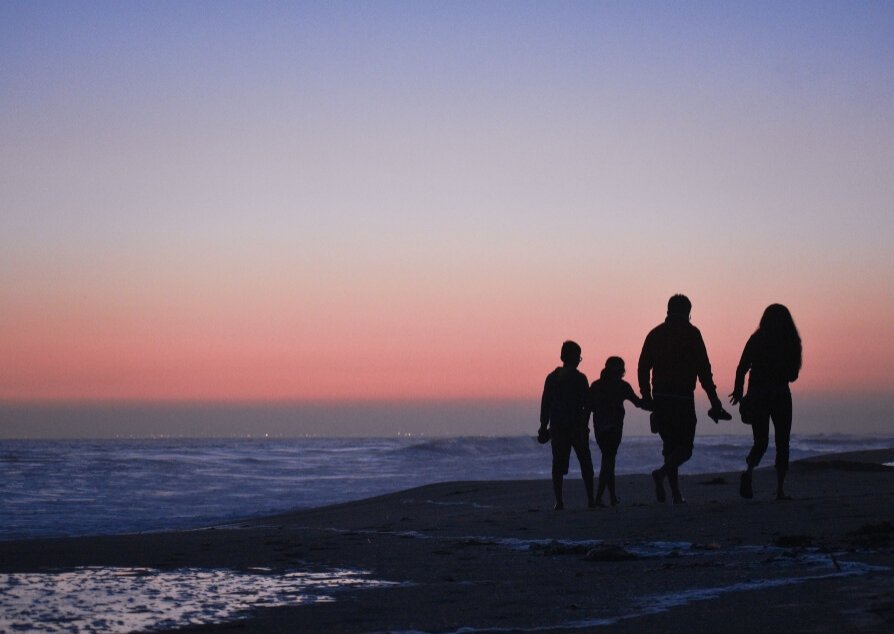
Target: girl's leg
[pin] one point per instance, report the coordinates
(612, 459)
(602, 479)
(607, 479)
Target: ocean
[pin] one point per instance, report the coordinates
(56, 488)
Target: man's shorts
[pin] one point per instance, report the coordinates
(676, 421)
(563, 441)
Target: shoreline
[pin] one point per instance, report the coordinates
(492, 555)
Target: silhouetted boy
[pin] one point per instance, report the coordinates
(564, 412)
(607, 396)
(674, 355)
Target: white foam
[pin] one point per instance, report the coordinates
(140, 599)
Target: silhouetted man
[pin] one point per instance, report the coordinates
(674, 355)
(564, 411)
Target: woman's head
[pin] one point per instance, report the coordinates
(778, 320)
(779, 332)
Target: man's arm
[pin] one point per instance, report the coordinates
(546, 402)
(644, 369)
(705, 376)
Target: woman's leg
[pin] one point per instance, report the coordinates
(781, 412)
(760, 429)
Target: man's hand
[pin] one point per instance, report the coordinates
(717, 413)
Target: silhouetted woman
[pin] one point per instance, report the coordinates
(772, 357)
(607, 396)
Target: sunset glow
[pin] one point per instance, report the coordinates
(229, 201)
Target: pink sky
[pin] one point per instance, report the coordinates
(385, 204)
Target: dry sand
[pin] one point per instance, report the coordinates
(495, 557)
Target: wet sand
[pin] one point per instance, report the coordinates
(495, 557)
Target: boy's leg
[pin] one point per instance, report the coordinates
(581, 444)
(561, 447)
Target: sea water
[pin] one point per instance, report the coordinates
(54, 488)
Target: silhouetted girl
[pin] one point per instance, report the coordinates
(772, 356)
(607, 396)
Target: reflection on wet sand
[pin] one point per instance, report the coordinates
(98, 599)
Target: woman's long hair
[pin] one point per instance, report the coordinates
(779, 334)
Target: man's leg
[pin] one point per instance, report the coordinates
(661, 416)
(658, 475)
(683, 437)
(557, 491)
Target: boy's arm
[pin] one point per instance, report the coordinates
(585, 400)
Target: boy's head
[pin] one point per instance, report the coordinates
(571, 354)
(679, 307)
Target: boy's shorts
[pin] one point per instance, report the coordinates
(563, 441)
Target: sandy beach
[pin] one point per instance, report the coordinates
(495, 557)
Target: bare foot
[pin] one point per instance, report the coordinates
(658, 477)
(745, 486)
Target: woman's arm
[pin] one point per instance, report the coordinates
(741, 370)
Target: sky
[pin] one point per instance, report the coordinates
(408, 201)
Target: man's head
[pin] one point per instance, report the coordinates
(679, 307)
(571, 354)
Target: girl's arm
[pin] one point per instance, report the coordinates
(631, 396)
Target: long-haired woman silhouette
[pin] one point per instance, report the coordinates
(772, 359)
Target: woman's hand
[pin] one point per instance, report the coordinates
(735, 397)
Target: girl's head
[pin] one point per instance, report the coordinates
(614, 368)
